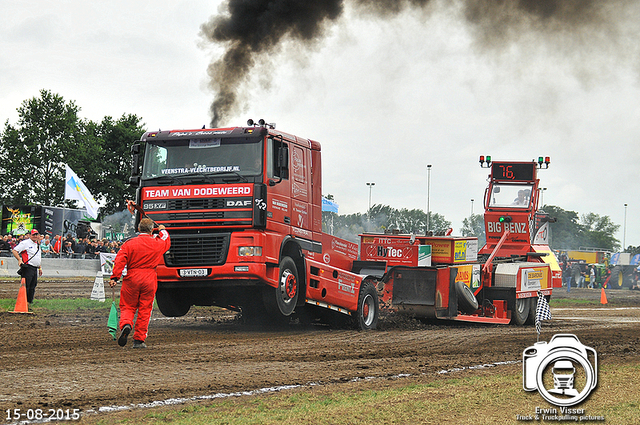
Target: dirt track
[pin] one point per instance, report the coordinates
(70, 361)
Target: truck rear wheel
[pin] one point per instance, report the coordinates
(368, 307)
(283, 299)
(172, 303)
(521, 312)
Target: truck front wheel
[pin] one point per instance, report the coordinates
(285, 296)
(172, 303)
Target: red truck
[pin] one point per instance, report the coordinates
(243, 206)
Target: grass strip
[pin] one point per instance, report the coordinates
(487, 398)
(58, 304)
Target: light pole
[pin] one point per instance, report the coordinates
(624, 230)
(370, 187)
(428, 195)
(471, 206)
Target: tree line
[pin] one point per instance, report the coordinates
(50, 133)
(571, 231)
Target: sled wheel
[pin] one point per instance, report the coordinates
(521, 312)
(467, 302)
(368, 307)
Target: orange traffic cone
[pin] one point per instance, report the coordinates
(603, 297)
(21, 302)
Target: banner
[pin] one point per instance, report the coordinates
(107, 261)
(329, 206)
(75, 189)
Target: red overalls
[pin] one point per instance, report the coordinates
(140, 255)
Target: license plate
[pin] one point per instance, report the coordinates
(193, 272)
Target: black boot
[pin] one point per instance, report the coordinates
(122, 341)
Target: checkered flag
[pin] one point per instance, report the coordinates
(543, 312)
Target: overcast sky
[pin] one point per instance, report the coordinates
(384, 97)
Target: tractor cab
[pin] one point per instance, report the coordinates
(511, 204)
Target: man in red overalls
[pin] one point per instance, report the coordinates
(140, 255)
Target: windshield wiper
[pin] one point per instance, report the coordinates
(197, 173)
(243, 178)
(166, 176)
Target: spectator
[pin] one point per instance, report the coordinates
(57, 244)
(5, 248)
(578, 275)
(101, 247)
(90, 250)
(29, 257)
(69, 238)
(45, 247)
(79, 249)
(68, 249)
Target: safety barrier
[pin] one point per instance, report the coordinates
(54, 267)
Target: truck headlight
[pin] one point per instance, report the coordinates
(250, 251)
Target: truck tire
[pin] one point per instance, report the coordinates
(467, 302)
(520, 313)
(172, 303)
(283, 299)
(616, 281)
(533, 306)
(368, 307)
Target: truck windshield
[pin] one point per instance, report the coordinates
(183, 157)
(510, 195)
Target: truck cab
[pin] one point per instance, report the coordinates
(243, 206)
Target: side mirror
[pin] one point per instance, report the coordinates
(135, 164)
(283, 158)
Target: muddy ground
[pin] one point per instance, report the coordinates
(68, 360)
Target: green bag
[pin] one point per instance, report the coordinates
(112, 323)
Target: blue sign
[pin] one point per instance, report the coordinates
(329, 206)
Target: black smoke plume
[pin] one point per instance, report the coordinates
(251, 29)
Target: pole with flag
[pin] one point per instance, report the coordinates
(330, 206)
(543, 312)
(74, 188)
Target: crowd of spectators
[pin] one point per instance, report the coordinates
(59, 247)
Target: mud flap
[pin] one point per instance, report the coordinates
(414, 286)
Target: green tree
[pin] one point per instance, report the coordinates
(598, 231)
(590, 230)
(111, 174)
(474, 226)
(566, 231)
(381, 218)
(48, 134)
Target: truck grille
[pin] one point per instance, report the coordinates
(196, 204)
(198, 250)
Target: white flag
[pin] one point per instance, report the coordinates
(75, 189)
